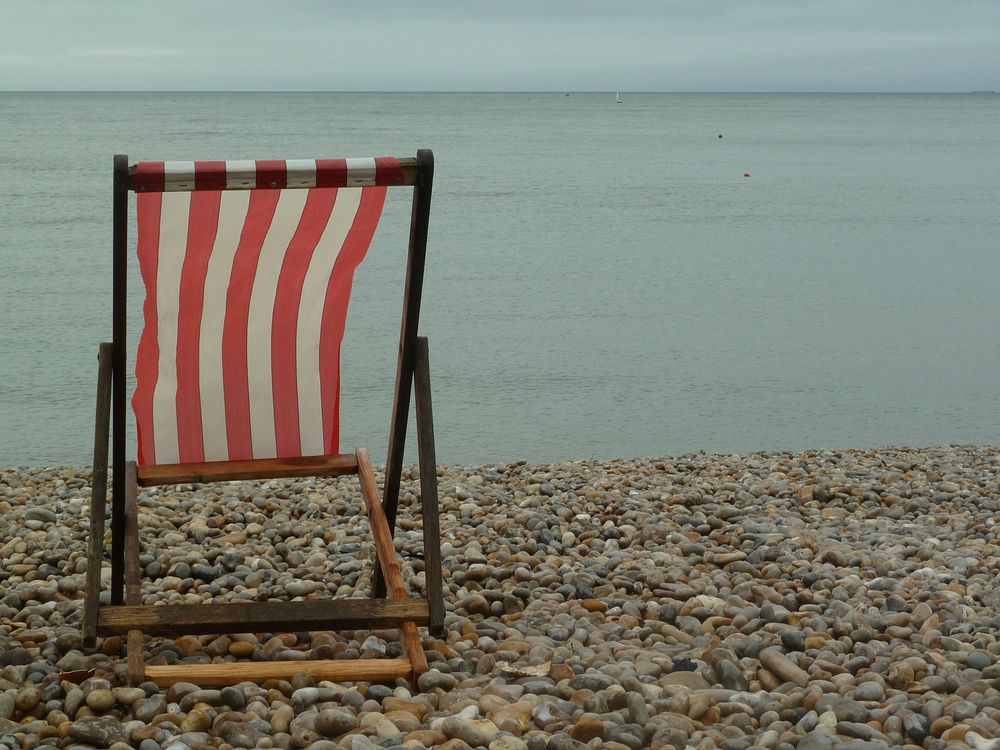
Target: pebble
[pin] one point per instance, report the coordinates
(869, 691)
(637, 710)
(101, 700)
(818, 739)
(978, 742)
(435, 679)
(331, 722)
(473, 732)
(103, 731)
(588, 727)
(812, 599)
(27, 698)
(843, 709)
(382, 726)
(783, 667)
(508, 742)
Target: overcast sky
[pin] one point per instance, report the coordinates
(509, 45)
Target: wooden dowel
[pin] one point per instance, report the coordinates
(231, 673)
(428, 487)
(407, 164)
(98, 496)
(258, 468)
(387, 558)
(132, 574)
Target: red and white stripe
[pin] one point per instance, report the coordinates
(246, 304)
(187, 176)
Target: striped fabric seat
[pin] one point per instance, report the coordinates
(248, 268)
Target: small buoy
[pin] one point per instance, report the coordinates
(720, 135)
(746, 174)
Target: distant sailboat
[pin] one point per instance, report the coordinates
(618, 97)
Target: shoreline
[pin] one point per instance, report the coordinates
(774, 453)
(779, 599)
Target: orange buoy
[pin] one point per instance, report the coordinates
(746, 174)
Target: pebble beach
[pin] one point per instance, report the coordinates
(811, 600)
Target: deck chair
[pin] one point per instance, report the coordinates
(248, 268)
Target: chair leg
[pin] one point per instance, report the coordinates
(428, 488)
(136, 664)
(388, 560)
(98, 495)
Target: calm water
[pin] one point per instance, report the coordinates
(602, 279)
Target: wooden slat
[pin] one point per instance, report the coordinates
(259, 468)
(387, 558)
(412, 293)
(98, 495)
(428, 487)
(133, 645)
(262, 617)
(231, 673)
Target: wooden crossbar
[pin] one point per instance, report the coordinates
(230, 673)
(140, 179)
(257, 468)
(262, 617)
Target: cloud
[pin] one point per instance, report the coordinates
(127, 55)
(519, 44)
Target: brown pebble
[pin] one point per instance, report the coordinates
(517, 714)
(942, 724)
(417, 708)
(112, 645)
(957, 732)
(697, 706)
(560, 672)
(196, 721)
(783, 667)
(101, 700)
(587, 728)
(160, 718)
(189, 644)
(242, 649)
(817, 641)
(404, 721)
(426, 737)
(767, 680)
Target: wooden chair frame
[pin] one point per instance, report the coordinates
(127, 616)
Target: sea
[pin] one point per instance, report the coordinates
(672, 274)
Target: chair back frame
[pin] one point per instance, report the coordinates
(419, 173)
